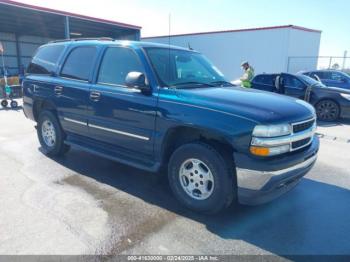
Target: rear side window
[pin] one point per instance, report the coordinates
(321, 75)
(79, 63)
(116, 64)
(45, 60)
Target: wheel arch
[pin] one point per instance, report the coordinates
(40, 105)
(180, 135)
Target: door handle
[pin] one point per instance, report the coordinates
(58, 90)
(95, 96)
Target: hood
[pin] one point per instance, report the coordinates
(258, 106)
(337, 90)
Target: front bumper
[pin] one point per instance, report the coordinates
(262, 180)
(345, 110)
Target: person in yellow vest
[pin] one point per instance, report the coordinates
(248, 75)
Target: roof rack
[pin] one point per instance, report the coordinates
(83, 39)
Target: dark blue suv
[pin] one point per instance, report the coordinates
(158, 107)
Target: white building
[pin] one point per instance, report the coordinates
(270, 49)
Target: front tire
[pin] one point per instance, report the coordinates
(201, 178)
(327, 110)
(14, 104)
(51, 135)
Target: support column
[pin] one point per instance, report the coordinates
(18, 53)
(138, 35)
(66, 27)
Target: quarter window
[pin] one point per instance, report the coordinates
(79, 63)
(116, 64)
(45, 60)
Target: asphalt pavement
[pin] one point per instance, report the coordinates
(84, 204)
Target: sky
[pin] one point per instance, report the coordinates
(187, 16)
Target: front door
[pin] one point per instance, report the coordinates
(292, 86)
(118, 115)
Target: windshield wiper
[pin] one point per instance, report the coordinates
(192, 84)
(222, 83)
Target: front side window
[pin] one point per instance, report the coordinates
(79, 63)
(175, 67)
(116, 64)
(293, 82)
(45, 60)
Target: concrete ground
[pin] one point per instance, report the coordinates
(84, 204)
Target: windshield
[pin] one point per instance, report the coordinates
(310, 81)
(180, 67)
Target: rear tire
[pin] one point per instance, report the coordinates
(201, 179)
(51, 135)
(327, 110)
(4, 103)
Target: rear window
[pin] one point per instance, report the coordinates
(79, 63)
(45, 60)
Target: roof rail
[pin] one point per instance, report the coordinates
(83, 39)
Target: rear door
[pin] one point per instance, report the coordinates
(118, 115)
(72, 88)
(264, 82)
(293, 86)
(39, 83)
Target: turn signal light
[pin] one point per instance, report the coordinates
(259, 151)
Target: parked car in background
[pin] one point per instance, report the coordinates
(331, 103)
(157, 107)
(331, 78)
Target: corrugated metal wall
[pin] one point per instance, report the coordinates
(266, 50)
(18, 52)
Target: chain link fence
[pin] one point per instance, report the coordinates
(307, 63)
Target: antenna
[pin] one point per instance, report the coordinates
(169, 33)
(189, 46)
(169, 62)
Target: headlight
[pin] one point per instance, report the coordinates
(272, 130)
(346, 96)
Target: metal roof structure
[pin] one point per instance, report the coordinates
(20, 18)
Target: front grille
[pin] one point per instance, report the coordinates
(299, 127)
(300, 143)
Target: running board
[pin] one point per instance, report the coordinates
(108, 154)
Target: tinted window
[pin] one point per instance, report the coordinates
(79, 63)
(265, 79)
(44, 61)
(176, 67)
(292, 82)
(116, 64)
(336, 76)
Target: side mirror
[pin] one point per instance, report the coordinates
(137, 80)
